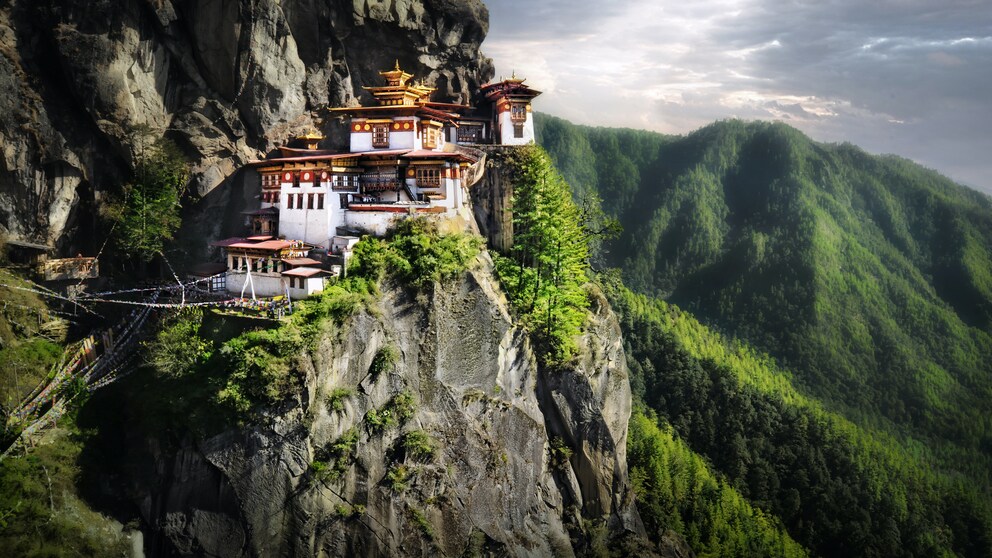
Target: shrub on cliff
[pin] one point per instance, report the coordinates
(416, 253)
(146, 214)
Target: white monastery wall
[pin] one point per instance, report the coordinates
(506, 130)
(266, 285)
(371, 222)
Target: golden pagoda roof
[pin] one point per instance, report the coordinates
(311, 135)
(514, 79)
(400, 90)
(396, 75)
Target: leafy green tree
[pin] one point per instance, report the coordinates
(838, 488)
(549, 260)
(147, 213)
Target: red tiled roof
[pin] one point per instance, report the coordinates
(428, 154)
(304, 272)
(440, 114)
(300, 261)
(387, 152)
(265, 245)
(303, 158)
(228, 241)
(451, 106)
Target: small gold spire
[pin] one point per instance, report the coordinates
(397, 64)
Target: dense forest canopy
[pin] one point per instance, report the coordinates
(869, 277)
(866, 279)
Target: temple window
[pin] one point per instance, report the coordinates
(380, 135)
(430, 137)
(289, 201)
(309, 201)
(380, 180)
(518, 112)
(428, 178)
(468, 134)
(518, 130)
(320, 201)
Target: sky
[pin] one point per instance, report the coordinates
(909, 77)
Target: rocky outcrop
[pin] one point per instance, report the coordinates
(493, 487)
(84, 84)
(587, 404)
(491, 197)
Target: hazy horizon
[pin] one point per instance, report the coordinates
(908, 78)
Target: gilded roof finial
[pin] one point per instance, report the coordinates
(397, 64)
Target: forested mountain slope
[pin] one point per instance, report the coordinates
(868, 277)
(839, 489)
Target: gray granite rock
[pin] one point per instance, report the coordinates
(493, 487)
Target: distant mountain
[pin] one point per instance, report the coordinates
(868, 278)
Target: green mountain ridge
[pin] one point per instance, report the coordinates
(863, 280)
(867, 276)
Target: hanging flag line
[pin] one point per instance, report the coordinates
(88, 346)
(51, 295)
(190, 283)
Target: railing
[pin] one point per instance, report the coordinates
(380, 185)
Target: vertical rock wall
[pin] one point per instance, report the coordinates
(492, 487)
(491, 198)
(84, 83)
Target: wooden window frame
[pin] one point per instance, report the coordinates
(429, 177)
(469, 134)
(380, 135)
(320, 201)
(430, 138)
(518, 112)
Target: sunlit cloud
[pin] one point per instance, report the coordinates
(903, 76)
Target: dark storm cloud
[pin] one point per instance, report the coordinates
(907, 77)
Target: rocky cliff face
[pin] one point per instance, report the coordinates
(84, 83)
(495, 485)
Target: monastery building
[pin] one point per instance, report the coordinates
(407, 156)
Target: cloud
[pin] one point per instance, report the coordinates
(905, 76)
